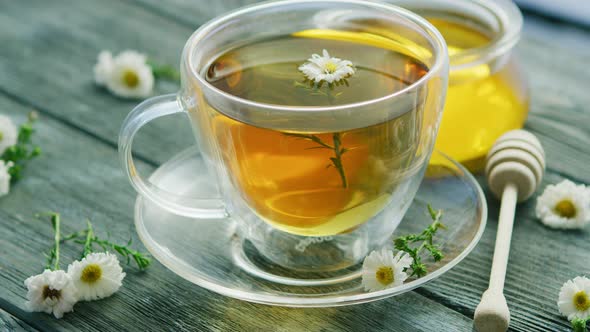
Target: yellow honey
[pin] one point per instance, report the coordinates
(483, 101)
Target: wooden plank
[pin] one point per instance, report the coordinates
(558, 76)
(537, 267)
(189, 13)
(9, 323)
(541, 259)
(47, 58)
(556, 116)
(80, 177)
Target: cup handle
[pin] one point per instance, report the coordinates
(151, 109)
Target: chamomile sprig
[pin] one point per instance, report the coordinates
(23, 150)
(415, 244)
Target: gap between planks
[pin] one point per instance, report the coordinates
(46, 113)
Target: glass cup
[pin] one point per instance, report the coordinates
(487, 94)
(272, 178)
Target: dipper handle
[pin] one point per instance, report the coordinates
(514, 169)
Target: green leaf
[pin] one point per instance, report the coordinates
(24, 150)
(161, 71)
(579, 325)
(400, 243)
(422, 241)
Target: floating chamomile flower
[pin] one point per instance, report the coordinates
(51, 292)
(127, 75)
(382, 270)
(326, 68)
(5, 177)
(564, 205)
(96, 276)
(574, 298)
(8, 133)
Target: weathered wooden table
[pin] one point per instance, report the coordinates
(47, 50)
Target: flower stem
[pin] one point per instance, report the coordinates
(72, 236)
(337, 161)
(337, 148)
(331, 97)
(54, 255)
(140, 259)
(89, 238)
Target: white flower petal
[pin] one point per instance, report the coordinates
(57, 281)
(582, 283)
(326, 68)
(578, 195)
(384, 258)
(565, 301)
(5, 177)
(103, 68)
(8, 133)
(127, 75)
(110, 279)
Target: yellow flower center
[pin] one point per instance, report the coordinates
(565, 209)
(331, 67)
(51, 293)
(130, 78)
(91, 273)
(384, 275)
(581, 301)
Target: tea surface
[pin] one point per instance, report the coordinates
(267, 72)
(311, 183)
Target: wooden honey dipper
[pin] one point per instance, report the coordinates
(514, 170)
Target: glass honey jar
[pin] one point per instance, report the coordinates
(487, 93)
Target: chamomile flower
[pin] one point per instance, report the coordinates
(382, 270)
(96, 276)
(8, 133)
(326, 68)
(5, 177)
(574, 298)
(564, 205)
(51, 292)
(127, 75)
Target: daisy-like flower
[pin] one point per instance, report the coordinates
(574, 299)
(326, 68)
(96, 276)
(127, 75)
(5, 177)
(564, 205)
(51, 292)
(8, 133)
(382, 270)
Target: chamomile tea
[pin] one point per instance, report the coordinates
(316, 182)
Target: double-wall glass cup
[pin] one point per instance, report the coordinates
(309, 188)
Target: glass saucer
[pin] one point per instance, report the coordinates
(210, 254)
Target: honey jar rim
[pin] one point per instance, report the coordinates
(502, 19)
